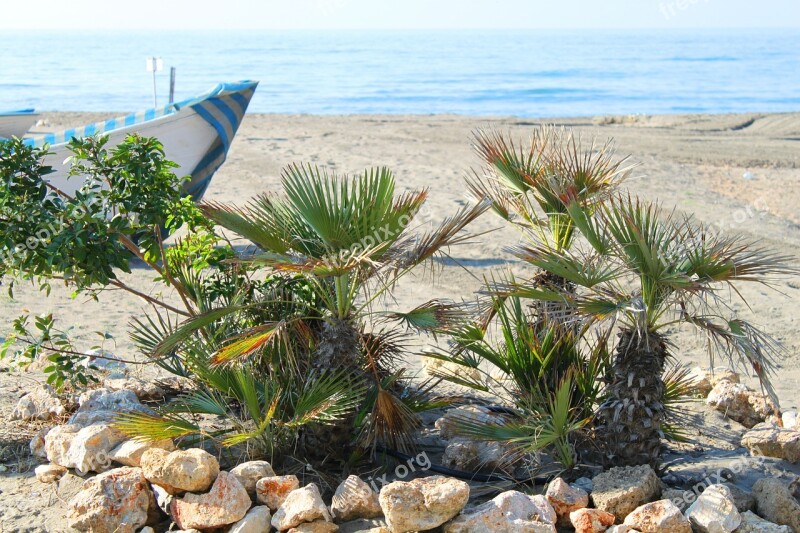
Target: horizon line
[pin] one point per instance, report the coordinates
(374, 29)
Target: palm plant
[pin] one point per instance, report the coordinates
(543, 361)
(524, 362)
(645, 271)
(551, 376)
(528, 183)
(350, 240)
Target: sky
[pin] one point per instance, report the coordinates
(399, 14)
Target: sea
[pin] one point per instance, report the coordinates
(532, 73)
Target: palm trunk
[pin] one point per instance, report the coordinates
(632, 416)
(338, 349)
(549, 313)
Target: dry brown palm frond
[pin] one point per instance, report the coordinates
(508, 206)
(589, 175)
(415, 250)
(755, 349)
(384, 349)
(391, 423)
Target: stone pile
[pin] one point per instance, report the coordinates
(147, 486)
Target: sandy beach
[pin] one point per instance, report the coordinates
(698, 164)
(740, 173)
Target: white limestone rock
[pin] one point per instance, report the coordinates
(714, 511)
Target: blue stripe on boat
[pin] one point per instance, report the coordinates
(209, 117)
(240, 100)
(223, 108)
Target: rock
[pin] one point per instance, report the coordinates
(192, 470)
(422, 504)
(448, 424)
(91, 448)
(272, 491)
(255, 521)
(772, 441)
(226, 503)
(117, 501)
(620, 490)
(144, 390)
(584, 483)
(147, 529)
(108, 400)
(41, 404)
(301, 505)
(510, 511)
(679, 498)
(565, 499)
(104, 361)
(129, 452)
(752, 523)
(776, 503)
(705, 379)
(789, 419)
(57, 442)
(740, 403)
(103, 405)
(163, 498)
(37, 445)
(364, 525)
(469, 455)
(355, 499)
(591, 520)
(622, 528)
(317, 526)
(662, 515)
(49, 473)
(714, 511)
(250, 472)
(743, 500)
(86, 450)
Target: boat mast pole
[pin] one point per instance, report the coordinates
(154, 64)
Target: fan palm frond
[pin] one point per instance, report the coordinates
(149, 427)
(584, 272)
(327, 398)
(679, 389)
(434, 316)
(248, 343)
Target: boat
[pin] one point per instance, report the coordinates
(196, 134)
(16, 123)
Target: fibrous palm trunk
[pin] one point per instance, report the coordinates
(338, 349)
(550, 313)
(631, 418)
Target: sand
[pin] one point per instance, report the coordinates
(694, 163)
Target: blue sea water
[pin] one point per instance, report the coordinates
(523, 73)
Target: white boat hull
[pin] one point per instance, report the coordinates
(186, 138)
(196, 134)
(16, 124)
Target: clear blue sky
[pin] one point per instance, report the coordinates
(400, 14)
